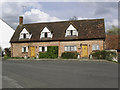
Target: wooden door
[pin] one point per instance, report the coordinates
(32, 49)
(84, 51)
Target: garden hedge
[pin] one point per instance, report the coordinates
(69, 55)
(52, 52)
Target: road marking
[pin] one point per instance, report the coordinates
(12, 82)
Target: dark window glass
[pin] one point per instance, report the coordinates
(71, 32)
(43, 49)
(24, 35)
(46, 35)
(24, 49)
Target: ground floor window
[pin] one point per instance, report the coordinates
(24, 49)
(70, 48)
(95, 47)
(43, 49)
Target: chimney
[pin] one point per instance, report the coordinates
(20, 20)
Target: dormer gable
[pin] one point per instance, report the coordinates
(24, 34)
(46, 33)
(24, 31)
(71, 31)
(71, 27)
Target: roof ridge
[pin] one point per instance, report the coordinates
(64, 21)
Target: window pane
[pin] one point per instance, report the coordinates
(43, 49)
(65, 48)
(72, 48)
(45, 34)
(68, 48)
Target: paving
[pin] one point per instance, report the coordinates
(59, 74)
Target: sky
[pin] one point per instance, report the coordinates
(37, 11)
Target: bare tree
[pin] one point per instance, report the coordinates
(73, 18)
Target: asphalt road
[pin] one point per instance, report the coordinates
(59, 74)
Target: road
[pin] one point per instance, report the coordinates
(59, 74)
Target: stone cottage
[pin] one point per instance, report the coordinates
(82, 36)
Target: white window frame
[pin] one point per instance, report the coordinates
(40, 48)
(95, 47)
(46, 30)
(24, 31)
(70, 48)
(24, 49)
(69, 29)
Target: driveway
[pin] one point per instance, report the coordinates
(59, 74)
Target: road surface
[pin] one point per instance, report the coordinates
(59, 74)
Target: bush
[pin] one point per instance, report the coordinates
(108, 55)
(69, 55)
(52, 52)
(7, 52)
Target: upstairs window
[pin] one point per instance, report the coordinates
(71, 31)
(25, 34)
(46, 33)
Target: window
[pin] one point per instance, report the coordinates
(24, 49)
(95, 47)
(43, 49)
(24, 36)
(71, 32)
(46, 35)
(70, 48)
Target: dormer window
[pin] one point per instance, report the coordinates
(46, 33)
(71, 31)
(25, 34)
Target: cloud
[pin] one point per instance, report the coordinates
(109, 24)
(105, 8)
(36, 15)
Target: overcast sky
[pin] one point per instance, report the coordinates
(35, 12)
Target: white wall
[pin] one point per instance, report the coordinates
(6, 33)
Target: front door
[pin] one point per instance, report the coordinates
(84, 51)
(32, 49)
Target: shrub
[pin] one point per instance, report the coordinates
(7, 52)
(69, 55)
(104, 55)
(52, 52)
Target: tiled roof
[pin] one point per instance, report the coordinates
(112, 42)
(87, 29)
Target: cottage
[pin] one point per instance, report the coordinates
(82, 36)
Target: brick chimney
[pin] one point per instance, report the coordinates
(20, 20)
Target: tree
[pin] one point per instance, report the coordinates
(113, 31)
(7, 52)
(73, 18)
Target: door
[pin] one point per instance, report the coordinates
(84, 51)
(32, 49)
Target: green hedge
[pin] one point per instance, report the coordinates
(69, 55)
(52, 52)
(108, 55)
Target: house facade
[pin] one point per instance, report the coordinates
(82, 36)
